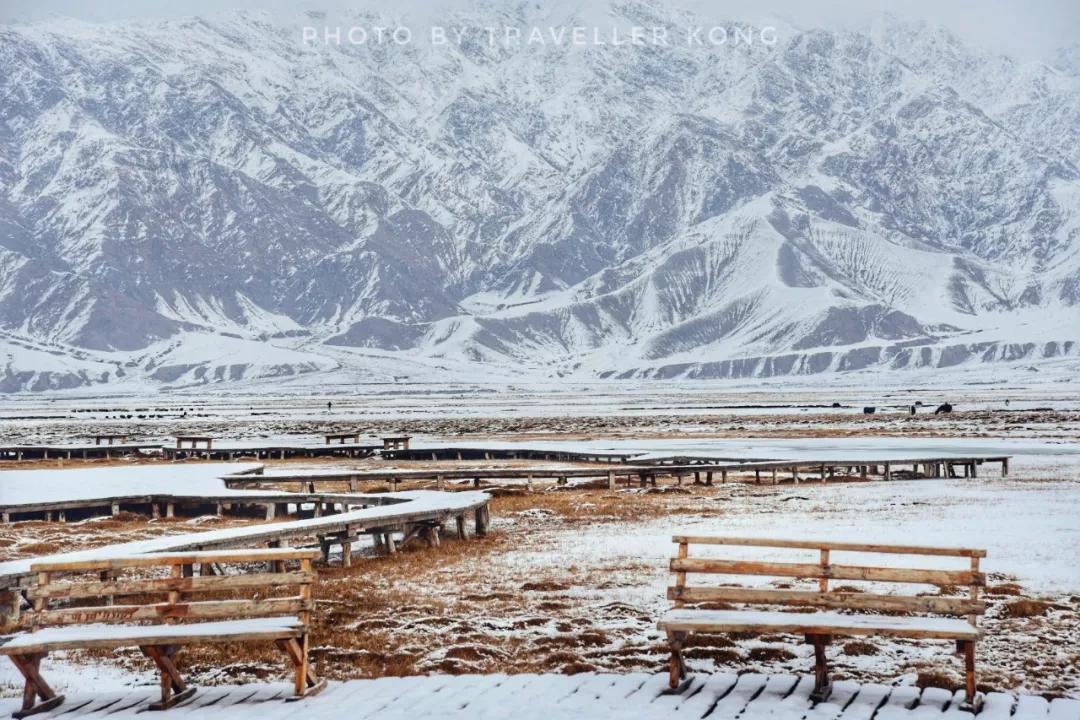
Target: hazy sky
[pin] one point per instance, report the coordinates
(1032, 28)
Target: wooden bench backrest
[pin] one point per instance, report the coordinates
(176, 595)
(824, 571)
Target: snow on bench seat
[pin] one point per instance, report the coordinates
(102, 635)
(817, 623)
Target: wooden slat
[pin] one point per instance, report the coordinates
(98, 588)
(180, 638)
(827, 545)
(184, 558)
(835, 572)
(833, 600)
(202, 610)
(810, 623)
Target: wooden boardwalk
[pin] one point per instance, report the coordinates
(379, 515)
(564, 697)
(707, 473)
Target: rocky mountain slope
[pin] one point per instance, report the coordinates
(214, 200)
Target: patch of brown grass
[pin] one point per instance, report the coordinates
(768, 654)
(1025, 608)
(936, 679)
(860, 647)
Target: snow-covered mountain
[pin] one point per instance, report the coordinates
(206, 200)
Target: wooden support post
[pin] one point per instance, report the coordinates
(35, 686)
(440, 482)
(888, 471)
(969, 674)
(775, 480)
(115, 509)
(708, 479)
(676, 666)
(611, 479)
(173, 688)
(757, 476)
(795, 474)
(723, 476)
(462, 527)
(822, 685)
(346, 550)
(482, 520)
(1004, 467)
(823, 582)
(170, 510)
(391, 545)
(271, 510)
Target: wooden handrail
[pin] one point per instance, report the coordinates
(829, 545)
(183, 558)
(832, 572)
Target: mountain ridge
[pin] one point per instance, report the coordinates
(215, 197)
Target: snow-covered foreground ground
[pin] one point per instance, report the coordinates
(585, 696)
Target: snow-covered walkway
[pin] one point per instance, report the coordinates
(558, 697)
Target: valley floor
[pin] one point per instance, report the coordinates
(572, 579)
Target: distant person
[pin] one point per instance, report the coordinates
(329, 405)
(943, 408)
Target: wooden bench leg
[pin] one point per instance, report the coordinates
(676, 666)
(967, 647)
(36, 687)
(173, 688)
(306, 681)
(822, 684)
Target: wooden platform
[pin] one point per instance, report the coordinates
(269, 504)
(91, 451)
(769, 471)
(565, 697)
(379, 514)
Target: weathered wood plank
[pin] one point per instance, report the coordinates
(836, 572)
(833, 600)
(829, 545)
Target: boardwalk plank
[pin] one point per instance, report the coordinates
(866, 702)
(1064, 709)
(843, 693)
(1031, 707)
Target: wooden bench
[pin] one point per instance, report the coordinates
(343, 437)
(193, 441)
(73, 611)
(862, 613)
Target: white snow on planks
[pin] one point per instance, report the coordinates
(557, 697)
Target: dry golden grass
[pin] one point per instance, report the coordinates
(1025, 608)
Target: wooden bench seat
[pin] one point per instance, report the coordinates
(850, 611)
(827, 623)
(101, 635)
(233, 605)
